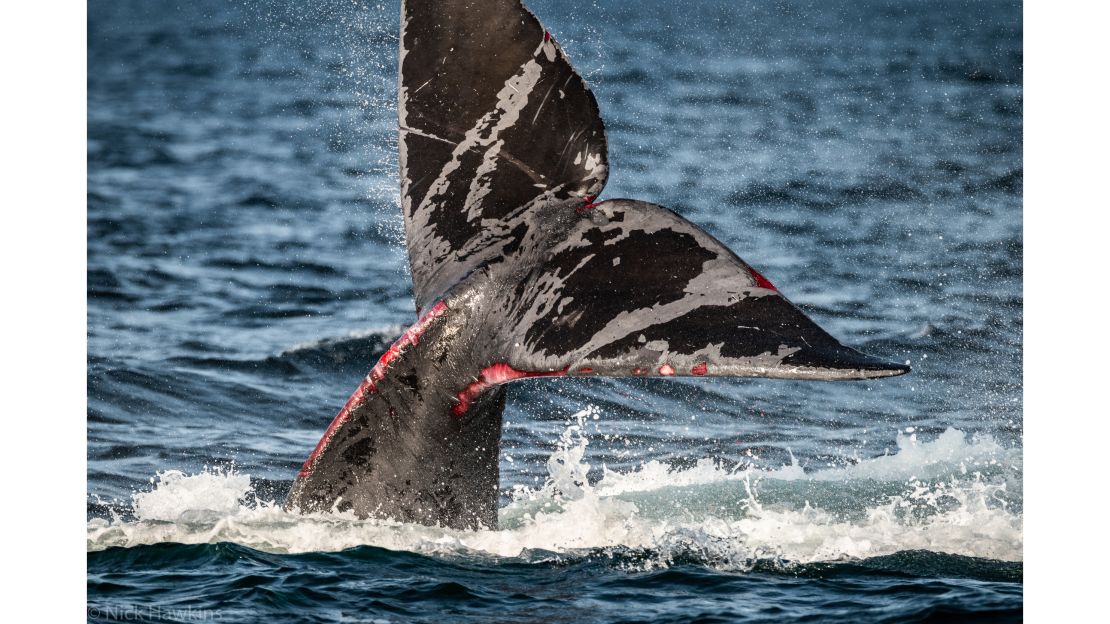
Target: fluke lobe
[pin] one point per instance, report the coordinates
(518, 271)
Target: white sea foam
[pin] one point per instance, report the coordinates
(177, 496)
(937, 495)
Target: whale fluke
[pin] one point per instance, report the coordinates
(494, 122)
(518, 272)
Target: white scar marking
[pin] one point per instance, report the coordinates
(485, 133)
(510, 106)
(542, 102)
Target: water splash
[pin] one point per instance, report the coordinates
(209, 495)
(951, 494)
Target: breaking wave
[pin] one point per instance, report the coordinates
(954, 494)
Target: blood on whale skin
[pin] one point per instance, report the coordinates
(494, 375)
(761, 281)
(370, 384)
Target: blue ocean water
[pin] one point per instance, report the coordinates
(246, 268)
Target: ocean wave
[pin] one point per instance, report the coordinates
(356, 351)
(953, 494)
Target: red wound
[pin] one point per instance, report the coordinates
(494, 375)
(587, 204)
(761, 281)
(700, 369)
(370, 384)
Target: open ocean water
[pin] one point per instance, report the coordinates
(246, 268)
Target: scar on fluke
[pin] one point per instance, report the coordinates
(587, 204)
(761, 281)
(369, 385)
(523, 273)
(494, 375)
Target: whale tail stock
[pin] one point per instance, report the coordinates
(518, 272)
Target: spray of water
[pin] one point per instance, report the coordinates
(951, 494)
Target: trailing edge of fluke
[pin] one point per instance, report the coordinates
(518, 271)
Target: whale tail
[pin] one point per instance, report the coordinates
(519, 272)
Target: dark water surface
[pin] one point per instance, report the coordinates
(246, 268)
